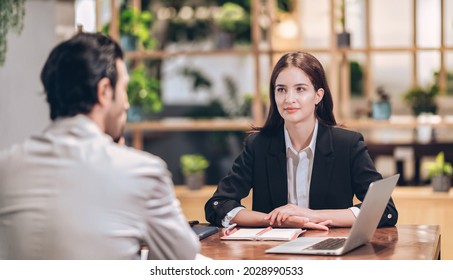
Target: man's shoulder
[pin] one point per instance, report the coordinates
(127, 156)
(12, 151)
(133, 153)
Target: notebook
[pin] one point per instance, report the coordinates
(361, 232)
(269, 233)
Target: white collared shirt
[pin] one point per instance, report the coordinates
(299, 170)
(299, 167)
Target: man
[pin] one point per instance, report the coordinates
(72, 192)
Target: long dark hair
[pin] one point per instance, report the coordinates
(73, 70)
(314, 70)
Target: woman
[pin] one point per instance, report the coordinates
(304, 170)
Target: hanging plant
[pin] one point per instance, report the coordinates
(12, 14)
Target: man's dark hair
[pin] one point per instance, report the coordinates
(73, 70)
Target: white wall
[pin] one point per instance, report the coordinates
(23, 109)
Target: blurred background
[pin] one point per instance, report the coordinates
(200, 71)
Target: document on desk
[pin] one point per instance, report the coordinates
(269, 233)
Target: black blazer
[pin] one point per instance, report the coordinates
(342, 168)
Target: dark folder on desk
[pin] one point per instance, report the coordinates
(204, 231)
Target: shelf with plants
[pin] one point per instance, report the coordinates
(368, 47)
(148, 134)
(230, 20)
(340, 57)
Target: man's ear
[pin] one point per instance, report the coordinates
(104, 91)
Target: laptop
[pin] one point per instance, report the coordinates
(361, 232)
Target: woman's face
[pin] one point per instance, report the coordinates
(295, 96)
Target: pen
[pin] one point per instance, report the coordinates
(230, 227)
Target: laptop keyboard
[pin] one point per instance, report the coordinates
(328, 244)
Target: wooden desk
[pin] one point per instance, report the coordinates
(403, 242)
(420, 205)
(416, 205)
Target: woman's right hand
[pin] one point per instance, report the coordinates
(251, 218)
(302, 222)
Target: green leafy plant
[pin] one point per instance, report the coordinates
(193, 163)
(187, 30)
(232, 18)
(439, 166)
(342, 16)
(343, 37)
(12, 14)
(422, 99)
(356, 78)
(143, 91)
(136, 24)
(449, 76)
(199, 79)
(285, 5)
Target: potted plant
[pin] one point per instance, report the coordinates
(344, 37)
(193, 168)
(143, 94)
(356, 78)
(382, 109)
(422, 100)
(134, 27)
(231, 20)
(440, 173)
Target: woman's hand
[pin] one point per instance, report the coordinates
(290, 214)
(280, 214)
(302, 222)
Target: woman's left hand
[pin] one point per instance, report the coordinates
(302, 222)
(280, 214)
(333, 217)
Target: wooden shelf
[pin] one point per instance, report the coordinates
(362, 50)
(222, 124)
(361, 124)
(156, 54)
(269, 46)
(185, 124)
(150, 54)
(393, 49)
